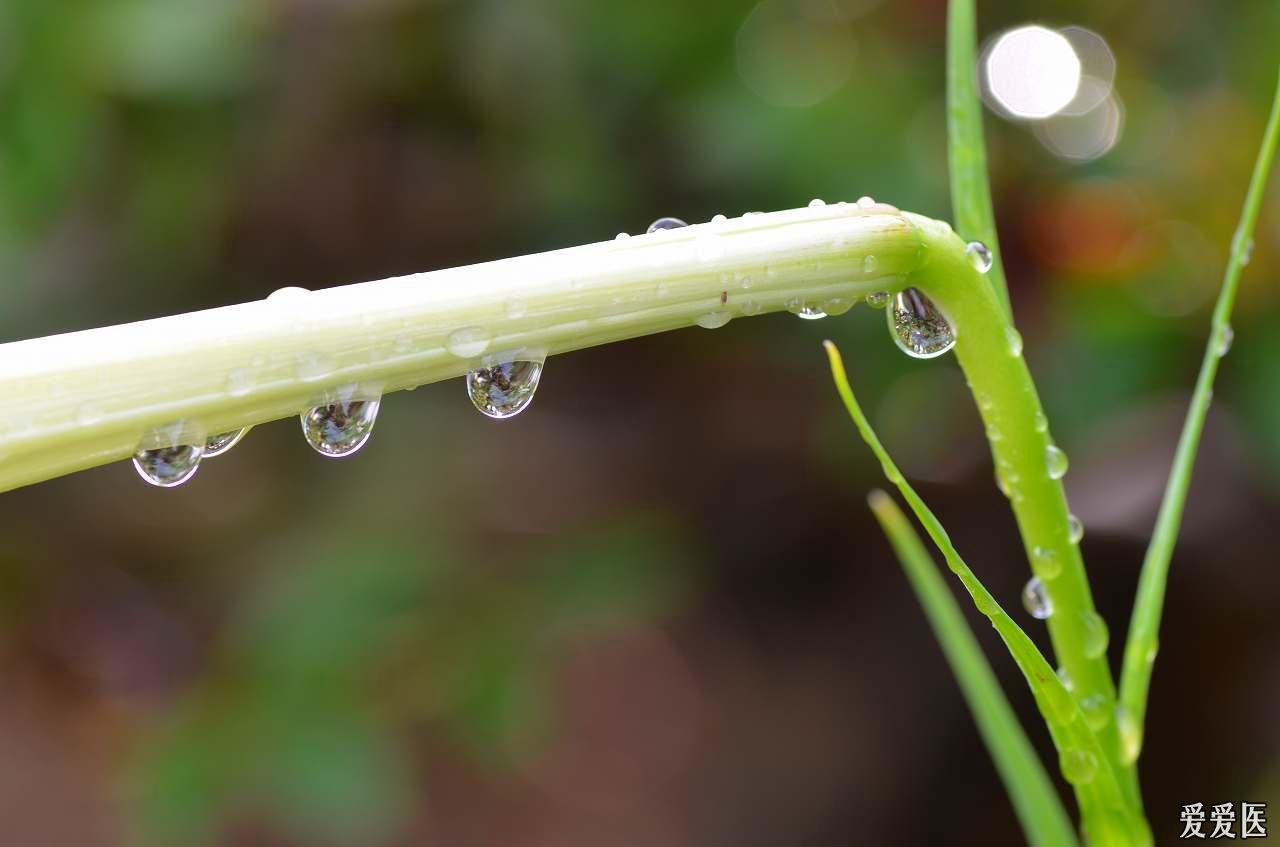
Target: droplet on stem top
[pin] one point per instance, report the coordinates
(504, 389)
(339, 429)
(287, 294)
(979, 256)
(1075, 529)
(665, 223)
(167, 467)
(1056, 461)
(816, 202)
(1078, 766)
(218, 444)
(917, 327)
(1035, 599)
(1222, 340)
(866, 202)
(879, 299)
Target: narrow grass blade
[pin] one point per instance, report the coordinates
(1144, 626)
(1034, 797)
(966, 149)
(1109, 816)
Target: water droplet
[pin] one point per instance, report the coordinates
(749, 307)
(1095, 635)
(918, 328)
(1096, 711)
(816, 202)
(869, 267)
(1065, 677)
(665, 223)
(837, 305)
(622, 236)
(314, 366)
(1078, 766)
(979, 256)
(468, 342)
(168, 466)
(714, 319)
(216, 445)
(504, 389)
(239, 382)
(290, 293)
(1246, 252)
(801, 309)
(1056, 461)
(516, 308)
(1075, 529)
(341, 428)
(1041, 422)
(879, 299)
(718, 219)
(1014, 339)
(865, 202)
(1130, 735)
(1045, 562)
(1035, 599)
(1222, 340)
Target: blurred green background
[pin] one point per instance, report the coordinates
(653, 610)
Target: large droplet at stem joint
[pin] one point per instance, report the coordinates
(504, 385)
(342, 427)
(918, 327)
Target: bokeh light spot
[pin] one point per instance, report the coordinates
(1032, 72)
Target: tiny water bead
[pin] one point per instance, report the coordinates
(1014, 339)
(1075, 529)
(1065, 677)
(167, 467)
(979, 256)
(1035, 599)
(1041, 422)
(802, 309)
(1056, 461)
(865, 202)
(816, 202)
(869, 263)
(504, 389)
(917, 327)
(1130, 735)
(1222, 340)
(1078, 766)
(216, 445)
(341, 428)
(468, 341)
(714, 319)
(878, 299)
(837, 305)
(290, 293)
(1095, 636)
(1096, 711)
(1045, 562)
(665, 223)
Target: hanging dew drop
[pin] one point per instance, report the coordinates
(979, 256)
(1075, 529)
(1035, 599)
(801, 309)
(665, 223)
(1056, 461)
(1095, 636)
(168, 467)
(715, 319)
(879, 299)
(216, 445)
(339, 429)
(917, 327)
(1014, 339)
(468, 342)
(1078, 766)
(749, 307)
(837, 305)
(1222, 340)
(504, 389)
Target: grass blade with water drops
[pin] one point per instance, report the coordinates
(1109, 816)
(966, 148)
(1035, 800)
(1140, 648)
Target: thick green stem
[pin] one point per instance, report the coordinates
(87, 398)
(1010, 407)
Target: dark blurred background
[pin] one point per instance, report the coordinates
(654, 609)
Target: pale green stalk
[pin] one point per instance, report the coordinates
(966, 148)
(87, 398)
(1109, 818)
(1035, 799)
(1144, 627)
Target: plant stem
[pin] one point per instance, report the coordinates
(86, 398)
(1144, 627)
(966, 148)
(1035, 799)
(1010, 408)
